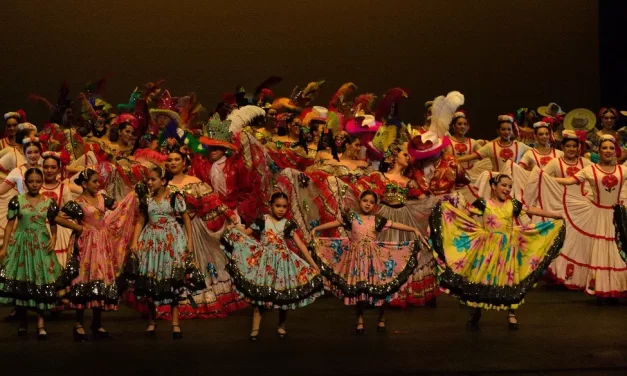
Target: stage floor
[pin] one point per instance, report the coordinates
(561, 333)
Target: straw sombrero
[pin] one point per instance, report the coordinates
(580, 119)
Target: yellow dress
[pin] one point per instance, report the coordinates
(493, 262)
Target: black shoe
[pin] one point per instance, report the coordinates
(512, 322)
(177, 335)
(281, 332)
(360, 328)
(153, 332)
(381, 326)
(79, 337)
(98, 334)
(41, 334)
(473, 321)
(254, 335)
(22, 330)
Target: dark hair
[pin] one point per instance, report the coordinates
(369, 193)
(606, 140)
(548, 126)
(278, 195)
(31, 143)
(163, 173)
(33, 170)
(455, 118)
(16, 117)
(348, 140)
(498, 123)
(184, 156)
(84, 176)
(495, 180)
(52, 156)
(565, 140)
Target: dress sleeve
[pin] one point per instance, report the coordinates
(73, 210)
(13, 177)
(485, 151)
(14, 208)
(7, 163)
(477, 207)
(53, 210)
(527, 161)
(381, 223)
(520, 209)
(414, 189)
(109, 202)
(209, 206)
(258, 226)
(178, 203)
(347, 220)
(290, 229)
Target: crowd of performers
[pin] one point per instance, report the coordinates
(273, 201)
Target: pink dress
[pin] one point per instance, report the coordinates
(362, 269)
(101, 252)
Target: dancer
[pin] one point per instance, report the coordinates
(167, 269)
(12, 119)
(266, 272)
(504, 149)
(29, 268)
(362, 270)
(100, 257)
(492, 264)
(543, 153)
(462, 145)
(597, 268)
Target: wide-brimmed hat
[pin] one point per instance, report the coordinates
(166, 105)
(580, 119)
(362, 124)
(552, 110)
(217, 134)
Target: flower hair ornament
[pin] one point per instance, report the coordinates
(509, 118)
(28, 140)
(26, 126)
(547, 125)
(63, 157)
(83, 174)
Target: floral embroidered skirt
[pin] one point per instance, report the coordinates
(366, 270)
(491, 269)
(269, 274)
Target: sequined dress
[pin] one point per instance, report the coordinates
(267, 272)
(167, 272)
(29, 272)
(493, 262)
(361, 268)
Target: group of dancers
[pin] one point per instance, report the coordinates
(272, 202)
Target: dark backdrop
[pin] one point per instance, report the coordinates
(501, 54)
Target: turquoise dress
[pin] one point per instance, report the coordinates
(29, 271)
(167, 271)
(267, 272)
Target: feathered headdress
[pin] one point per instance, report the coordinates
(387, 110)
(188, 109)
(338, 101)
(242, 117)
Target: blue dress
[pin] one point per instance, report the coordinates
(167, 271)
(266, 272)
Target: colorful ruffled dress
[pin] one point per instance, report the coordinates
(101, 249)
(491, 263)
(167, 272)
(29, 272)
(61, 195)
(266, 272)
(591, 259)
(361, 268)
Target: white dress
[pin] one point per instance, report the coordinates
(590, 258)
(533, 158)
(473, 168)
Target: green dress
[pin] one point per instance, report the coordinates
(29, 271)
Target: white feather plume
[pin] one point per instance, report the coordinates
(242, 117)
(443, 111)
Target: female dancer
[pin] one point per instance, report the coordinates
(362, 270)
(98, 240)
(207, 214)
(266, 272)
(61, 191)
(29, 266)
(462, 145)
(167, 270)
(492, 264)
(12, 119)
(500, 151)
(597, 267)
(543, 153)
